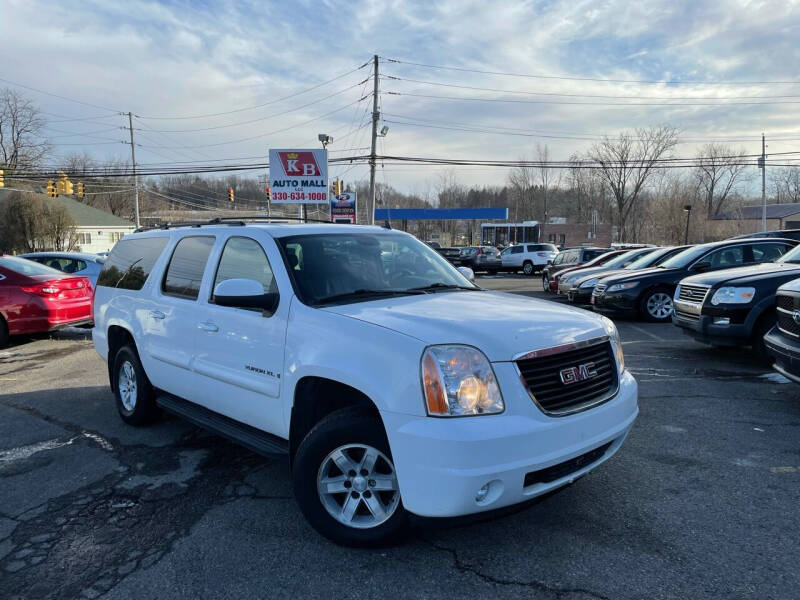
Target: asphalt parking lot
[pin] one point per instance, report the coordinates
(701, 502)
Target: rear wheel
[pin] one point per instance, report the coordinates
(656, 305)
(3, 333)
(527, 268)
(345, 482)
(136, 401)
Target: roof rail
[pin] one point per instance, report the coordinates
(227, 221)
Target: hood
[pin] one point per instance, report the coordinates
(601, 273)
(743, 275)
(584, 272)
(501, 325)
(628, 275)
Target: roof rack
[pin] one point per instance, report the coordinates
(228, 221)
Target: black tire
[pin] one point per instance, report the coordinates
(546, 283)
(341, 428)
(143, 409)
(760, 329)
(3, 333)
(528, 268)
(651, 313)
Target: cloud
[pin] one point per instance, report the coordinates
(174, 59)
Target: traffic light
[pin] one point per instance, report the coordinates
(2, 181)
(269, 194)
(64, 185)
(80, 193)
(230, 194)
(337, 188)
(52, 192)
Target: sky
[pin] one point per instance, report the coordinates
(192, 73)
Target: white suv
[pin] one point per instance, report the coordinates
(527, 258)
(369, 360)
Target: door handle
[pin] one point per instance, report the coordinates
(157, 314)
(208, 326)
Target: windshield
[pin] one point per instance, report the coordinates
(681, 259)
(648, 258)
(26, 267)
(619, 261)
(354, 267)
(792, 256)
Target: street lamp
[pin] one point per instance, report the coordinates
(687, 208)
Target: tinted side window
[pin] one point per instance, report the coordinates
(768, 252)
(559, 258)
(726, 257)
(130, 262)
(571, 256)
(244, 258)
(185, 271)
(517, 250)
(590, 254)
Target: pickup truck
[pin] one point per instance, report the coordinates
(368, 360)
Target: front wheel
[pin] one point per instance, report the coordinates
(345, 482)
(546, 283)
(3, 333)
(656, 305)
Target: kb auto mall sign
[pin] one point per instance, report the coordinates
(299, 176)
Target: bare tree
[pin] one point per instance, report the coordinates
(21, 125)
(547, 178)
(28, 223)
(520, 180)
(720, 171)
(786, 184)
(627, 162)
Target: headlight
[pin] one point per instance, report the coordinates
(733, 295)
(459, 381)
(618, 287)
(589, 282)
(616, 342)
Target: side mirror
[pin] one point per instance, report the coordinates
(245, 293)
(701, 267)
(467, 272)
(549, 261)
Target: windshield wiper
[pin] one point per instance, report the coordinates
(442, 286)
(364, 294)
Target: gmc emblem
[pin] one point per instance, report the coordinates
(578, 373)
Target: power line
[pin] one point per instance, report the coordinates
(598, 79)
(574, 103)
(229, 112)
(33, 89)
(569, 95)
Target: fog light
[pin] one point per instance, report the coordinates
(722, 321)
(482, 493)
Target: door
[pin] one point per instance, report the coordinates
(515, 256)
(169, 320)
(239, 352)
(769, 251)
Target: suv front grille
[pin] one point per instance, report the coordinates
(693, 293)
(785, 302)
(688, 316)
(599, 289)
(567, 381)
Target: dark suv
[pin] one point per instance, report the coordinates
(736, 306)
(480, 258)
(648, 293)
(572, 257)
(783, 341)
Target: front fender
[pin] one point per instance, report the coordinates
(380, 362)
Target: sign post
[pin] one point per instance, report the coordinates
(343, 208)
(298, 176)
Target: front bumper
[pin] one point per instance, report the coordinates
(615, 303)
(580, 295)
(441, 463)
(786, 352)
(703, 329)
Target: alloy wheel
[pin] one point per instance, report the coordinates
(126, 384)
(358, 486)
(659, 306)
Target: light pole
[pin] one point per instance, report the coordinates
(688, 210)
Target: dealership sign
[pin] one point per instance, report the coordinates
(343, 208)
(299, 176)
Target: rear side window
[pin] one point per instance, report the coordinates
(590, 254)
(186, 267)
(130, 262)
(768, 252)
(244, 258)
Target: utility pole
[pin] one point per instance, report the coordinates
(372, 155)
(135, 178)
(763, 184)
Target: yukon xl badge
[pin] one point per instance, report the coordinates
(578, 373)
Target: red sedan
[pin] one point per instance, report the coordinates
(35, 298)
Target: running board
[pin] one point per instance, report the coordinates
(254, 439)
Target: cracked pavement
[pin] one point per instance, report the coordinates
(701, 501)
